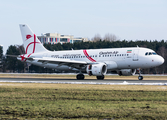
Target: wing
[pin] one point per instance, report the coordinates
(58, 61)
(68, 62)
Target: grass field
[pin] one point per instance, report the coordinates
(72, 101)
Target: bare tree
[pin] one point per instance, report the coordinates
(96, 38)
(110, 37)
(21, 49)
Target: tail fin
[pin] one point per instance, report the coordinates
(30, 41)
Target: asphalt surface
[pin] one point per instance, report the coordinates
(74, 81)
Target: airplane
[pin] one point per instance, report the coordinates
(94, 62)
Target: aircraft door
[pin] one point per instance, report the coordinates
(135, 55)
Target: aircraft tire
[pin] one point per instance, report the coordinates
(100, 77)
(80, 77)
(140, 77)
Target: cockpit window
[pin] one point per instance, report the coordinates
(150, 53)
(154, 53)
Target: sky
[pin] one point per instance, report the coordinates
(127, 19)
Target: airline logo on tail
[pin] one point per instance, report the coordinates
(28, 37)
(31, 43)
(34, 42)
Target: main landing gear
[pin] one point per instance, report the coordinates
(140, 77)
(80, 77)
(100, 77)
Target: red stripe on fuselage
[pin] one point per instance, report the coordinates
(86, 54)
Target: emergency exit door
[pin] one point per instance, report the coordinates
(135, 55)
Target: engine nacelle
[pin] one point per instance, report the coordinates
(126, 72)
(96, 69)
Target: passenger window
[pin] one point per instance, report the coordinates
(146, 53)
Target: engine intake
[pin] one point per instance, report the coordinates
(97, 69)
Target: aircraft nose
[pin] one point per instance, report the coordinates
(160, 60)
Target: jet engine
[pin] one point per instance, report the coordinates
(126, 72)
(96, 69)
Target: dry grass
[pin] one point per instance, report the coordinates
(82, 86)
(59, 76)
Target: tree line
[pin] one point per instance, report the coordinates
(11, 64)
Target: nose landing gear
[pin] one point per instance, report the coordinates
(140, 76)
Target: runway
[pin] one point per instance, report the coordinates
(86, 81)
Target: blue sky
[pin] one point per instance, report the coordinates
(127, 19)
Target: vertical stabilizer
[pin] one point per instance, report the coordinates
(30, 40)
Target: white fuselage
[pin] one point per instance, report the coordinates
(114, 58)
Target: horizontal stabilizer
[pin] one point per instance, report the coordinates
(12, 55)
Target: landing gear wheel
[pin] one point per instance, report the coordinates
(80, 77)
(100, 77)
(140, 77)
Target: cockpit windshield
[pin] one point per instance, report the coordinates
(154, 53)
(150, 53)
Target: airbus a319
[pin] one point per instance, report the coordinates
(95, 62)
